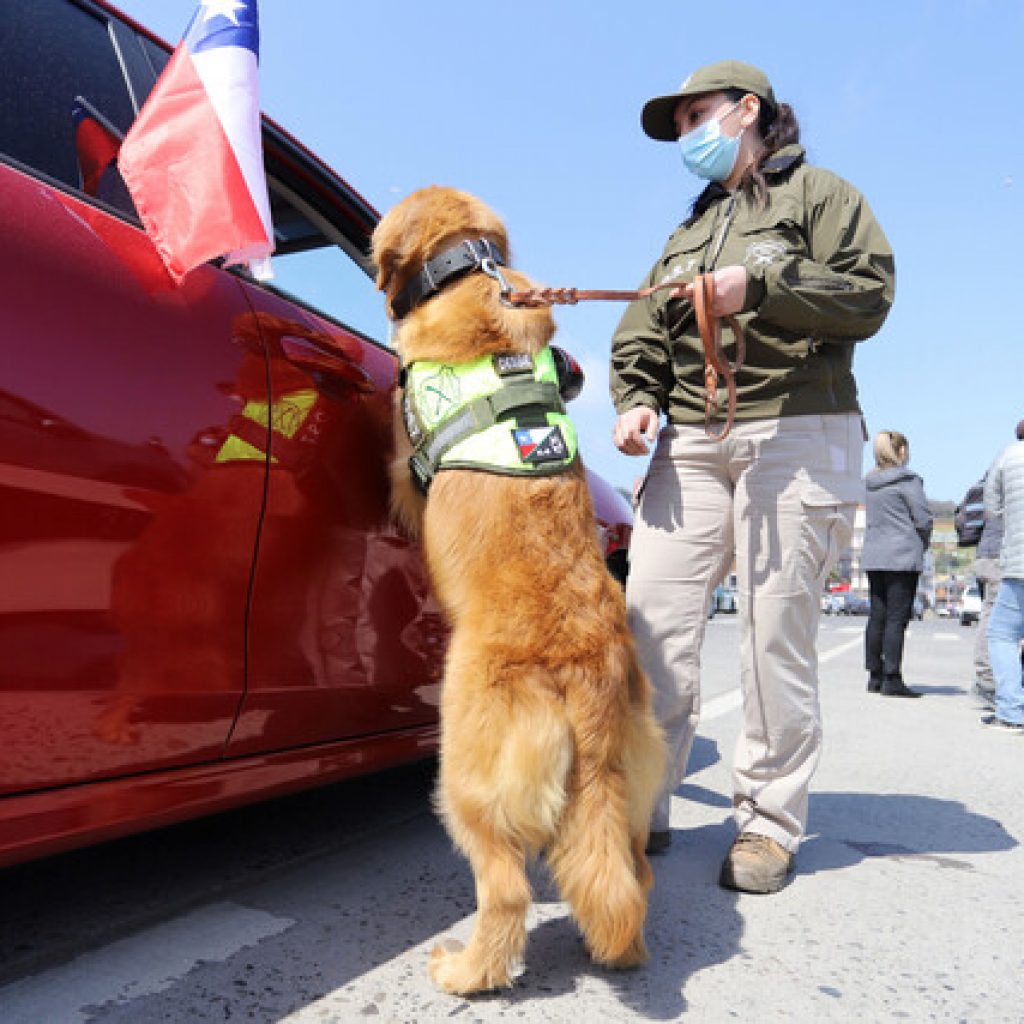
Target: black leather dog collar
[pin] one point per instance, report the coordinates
(442, 269)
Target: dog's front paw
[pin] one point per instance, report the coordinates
(453, 971)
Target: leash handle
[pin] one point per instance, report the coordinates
(709, 326)
(715, 361)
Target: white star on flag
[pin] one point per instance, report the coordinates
(222, 8)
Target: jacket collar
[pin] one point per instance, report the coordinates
(776, 166)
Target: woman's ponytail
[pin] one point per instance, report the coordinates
(777, 129)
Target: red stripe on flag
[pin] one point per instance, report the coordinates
(183, 175)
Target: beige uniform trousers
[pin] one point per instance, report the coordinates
(780, 494)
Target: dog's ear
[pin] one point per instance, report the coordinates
(389, 241)
(385, 262)
(384, 251)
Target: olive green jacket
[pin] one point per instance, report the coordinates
(820, 277)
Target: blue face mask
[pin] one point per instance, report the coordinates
(707, 152)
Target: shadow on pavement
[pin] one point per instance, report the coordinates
(702, 795)
(703, 754)
(693, 924)
(845, 828)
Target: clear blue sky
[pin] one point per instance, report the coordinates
(534, 106)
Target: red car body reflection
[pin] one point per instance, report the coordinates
(202, 599)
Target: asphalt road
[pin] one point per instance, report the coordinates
(323, 908)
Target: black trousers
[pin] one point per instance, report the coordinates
(892, 603)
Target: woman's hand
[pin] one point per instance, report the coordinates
(631, 429)
(730, 290)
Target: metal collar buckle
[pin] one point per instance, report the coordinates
(492, 270)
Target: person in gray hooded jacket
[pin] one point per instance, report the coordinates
(898, 531)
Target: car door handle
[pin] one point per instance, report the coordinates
(319, 357)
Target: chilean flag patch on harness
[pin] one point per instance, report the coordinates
(541, 444)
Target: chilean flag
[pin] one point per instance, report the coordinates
(97, 143)
(193, 159)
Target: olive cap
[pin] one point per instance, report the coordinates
(658, 118)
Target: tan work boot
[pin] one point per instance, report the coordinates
(755, 863)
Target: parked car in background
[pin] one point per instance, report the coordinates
(831, 604)
(724, 599)
(970, 608)
(853, 604)
(204, 601)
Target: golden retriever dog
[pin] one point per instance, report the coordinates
(548, 742)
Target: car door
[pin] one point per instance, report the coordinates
(127, 527)
(345, 639)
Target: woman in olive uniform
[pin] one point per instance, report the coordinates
(797, 254)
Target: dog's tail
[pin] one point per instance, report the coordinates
(594, 862)
(598, 858)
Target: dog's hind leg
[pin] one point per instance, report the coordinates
(504, 764)
(494, 953)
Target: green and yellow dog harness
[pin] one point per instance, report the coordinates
(500, 414)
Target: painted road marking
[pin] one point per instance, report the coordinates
(141, 965)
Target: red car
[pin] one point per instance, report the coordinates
(202, 600)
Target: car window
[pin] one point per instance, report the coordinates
(320, 263)
(55, 56)
(325, 277)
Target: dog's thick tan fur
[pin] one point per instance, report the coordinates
(548, 740)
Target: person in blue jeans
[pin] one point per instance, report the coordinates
(1004, 495)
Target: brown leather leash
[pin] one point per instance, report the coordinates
(710, 327)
